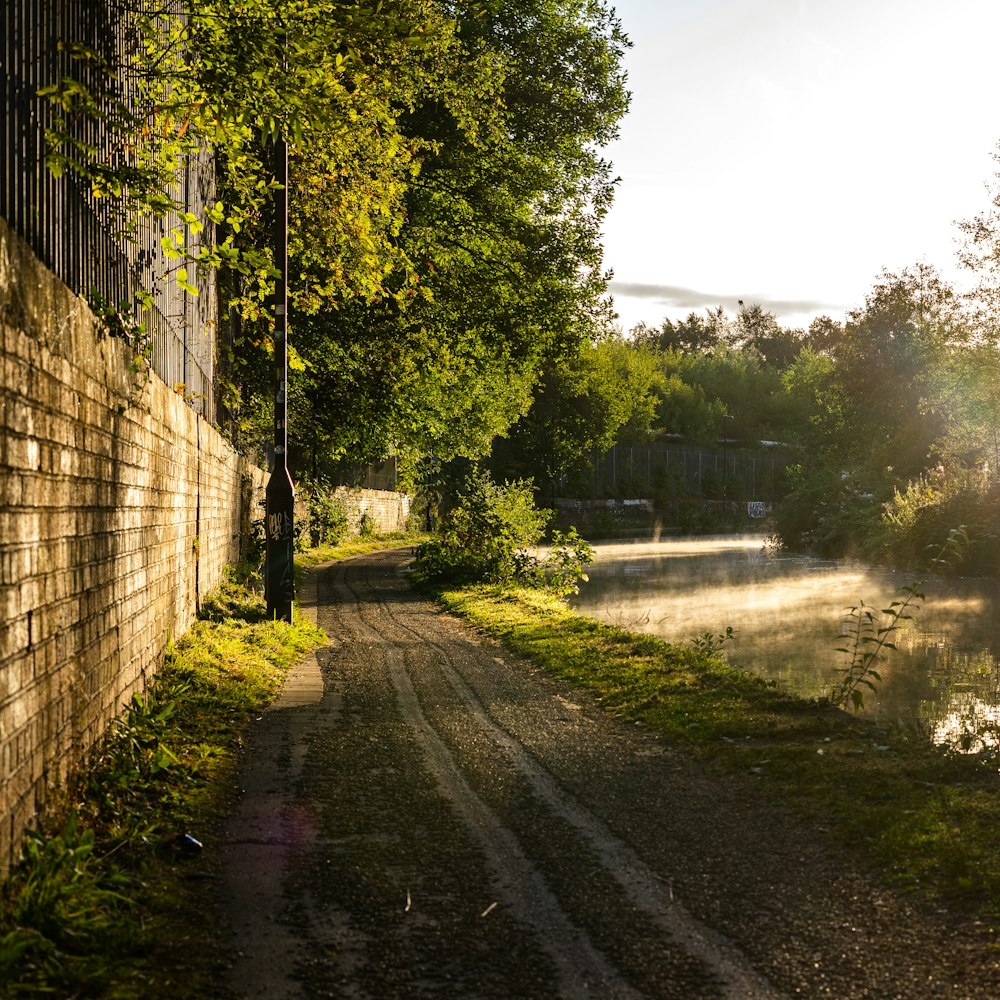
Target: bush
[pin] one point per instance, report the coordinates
(485, 537)
(829, 512)
(327, 521)
(919, 516)
(564, 566)
(483, 532)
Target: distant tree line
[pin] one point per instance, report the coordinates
(893, 415)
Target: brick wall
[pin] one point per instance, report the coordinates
(387, 510)
(119, 508)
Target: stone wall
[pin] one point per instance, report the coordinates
(119, 508)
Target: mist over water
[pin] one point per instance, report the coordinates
(787, 612)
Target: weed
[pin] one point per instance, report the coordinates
(326, 521)
(868, 636)
(867, 639)
(709, 643)
(562, 569)
(122, 321)
(64, 909)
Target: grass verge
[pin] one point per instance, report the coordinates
(104, 902)
(357, 547)
(925, 820)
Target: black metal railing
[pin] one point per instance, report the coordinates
(85, 240)
(739, 471)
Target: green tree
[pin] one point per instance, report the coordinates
(686, 410)
(502, 232)
(758, 330)
(582, 406)
(824, 334)
(980, 254)
(226, 77)
(694, 334)
(446, 195)
(879, 413)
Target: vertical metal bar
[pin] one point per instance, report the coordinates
(186, 297)
(20, 166)
(53, 188)
(8, 84)
(27, 203)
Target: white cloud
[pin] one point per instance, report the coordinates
(692, 298)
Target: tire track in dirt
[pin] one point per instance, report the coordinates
(583, 972)
(448, 821)
(643, 890)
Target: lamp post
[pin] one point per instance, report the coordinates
(279, 583)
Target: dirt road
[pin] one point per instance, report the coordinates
(427, 816)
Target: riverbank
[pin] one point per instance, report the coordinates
(789, 614)
(925, 820)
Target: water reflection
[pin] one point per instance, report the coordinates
(787, 612)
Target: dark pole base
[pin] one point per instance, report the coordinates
(279, 566)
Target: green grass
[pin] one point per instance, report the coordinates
(102, 903)
(925, 820)
(357, 547)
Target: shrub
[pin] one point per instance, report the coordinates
(327, 520)
(564, 566)
(484, 533)
(930, 505)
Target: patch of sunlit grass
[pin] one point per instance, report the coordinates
(357, 547)
(98, 906)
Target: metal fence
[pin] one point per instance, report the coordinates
(726, 472)
(85, 240)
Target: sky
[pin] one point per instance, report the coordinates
(787, 152)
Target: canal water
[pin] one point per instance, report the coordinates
(788, 611)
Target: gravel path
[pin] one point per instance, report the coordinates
(425, 815)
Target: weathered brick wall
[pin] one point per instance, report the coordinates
(119, 508)
(387, 511)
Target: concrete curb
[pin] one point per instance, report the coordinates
(304, 682)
